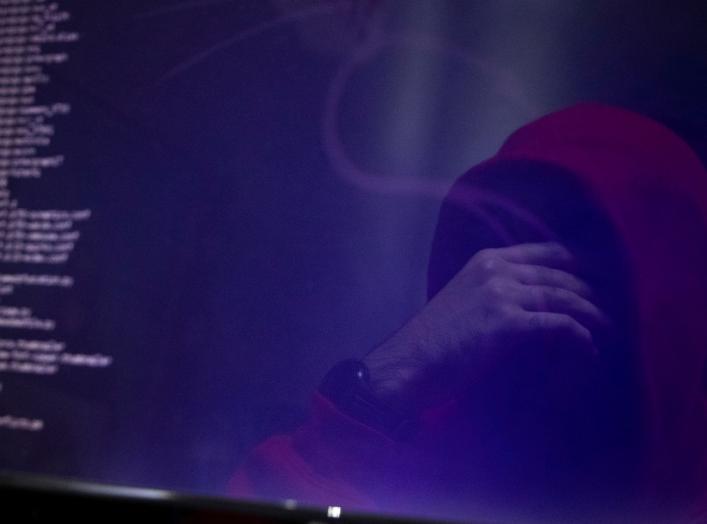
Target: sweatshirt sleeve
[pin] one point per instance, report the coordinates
(331, 459)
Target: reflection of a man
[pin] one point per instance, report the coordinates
(557, 369)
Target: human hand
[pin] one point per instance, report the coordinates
(503, 301)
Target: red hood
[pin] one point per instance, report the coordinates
(653, 188)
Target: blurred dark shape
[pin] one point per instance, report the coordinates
(628, 437)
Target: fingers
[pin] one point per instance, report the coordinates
(546, 276)
(549, 254)
(562, 327)
(537, 279)
(560, 300)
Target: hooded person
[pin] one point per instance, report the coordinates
(559, 368)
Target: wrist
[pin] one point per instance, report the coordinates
(347, 385)
(403, 372)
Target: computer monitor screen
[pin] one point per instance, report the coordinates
(431, 259)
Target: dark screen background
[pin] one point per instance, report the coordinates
(234, 254)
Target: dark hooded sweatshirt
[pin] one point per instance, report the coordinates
(629, 198)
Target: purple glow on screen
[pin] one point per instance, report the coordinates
(431, 259)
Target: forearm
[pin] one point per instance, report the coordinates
(406, 373)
